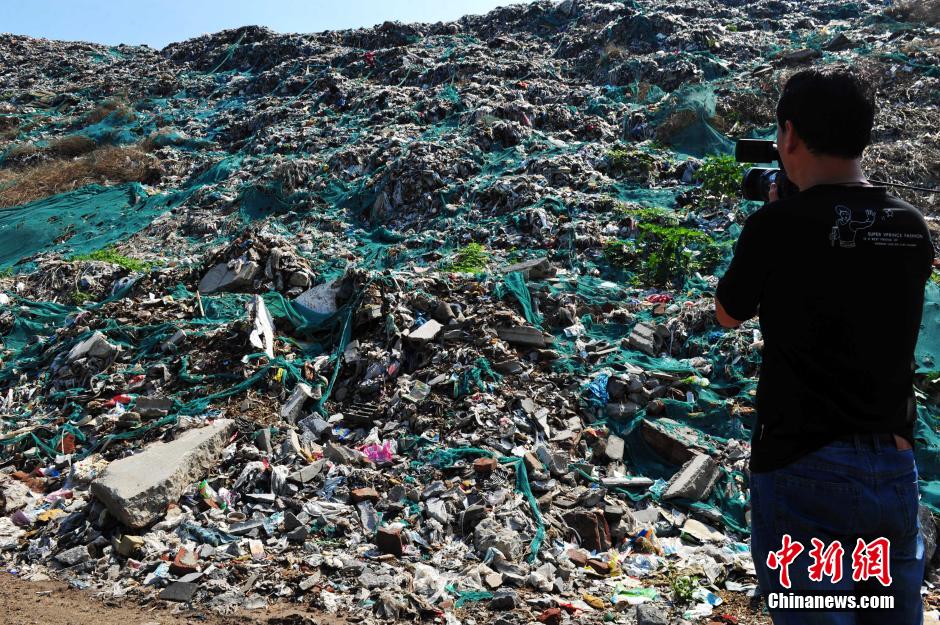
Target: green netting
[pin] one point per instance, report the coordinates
(219, 171)
(690, 108)
(257, 202)
(927, 451)
(81, 221)
(118, 128)
(515, 283)
(927, 352)
(469, 596)
(473, 378)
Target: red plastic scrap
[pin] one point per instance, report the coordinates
(570, 608)
(68, 444)
(551, 616)
(119, 399)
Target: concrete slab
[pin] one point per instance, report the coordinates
(427, 332)
(295, 403)
(522, 335)
(138, 489)
(694, 480)
(615, 447)
(225, 278)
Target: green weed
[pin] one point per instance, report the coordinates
(664, 255)
(471, 259)
(683, 587)
(652, 214)
(79, 297)
(721, 175)
(111, 255)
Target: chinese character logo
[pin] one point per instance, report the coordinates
(869, 560)
(872, 560)
(784, 558)
(826, 562)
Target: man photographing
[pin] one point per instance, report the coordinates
(836, 272)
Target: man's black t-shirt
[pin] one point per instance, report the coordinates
(838, 274)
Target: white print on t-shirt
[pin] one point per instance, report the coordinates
(894, 239)
(845, 229)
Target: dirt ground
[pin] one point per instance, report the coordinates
(56, 603)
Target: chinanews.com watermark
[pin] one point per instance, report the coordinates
(870, 561)
(828, 602)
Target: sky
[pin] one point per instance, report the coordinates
(159, 22)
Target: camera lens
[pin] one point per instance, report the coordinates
(751, 183)
(755, 185)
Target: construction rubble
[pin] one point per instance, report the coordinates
(413, 321)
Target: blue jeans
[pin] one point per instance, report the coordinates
(844, 491)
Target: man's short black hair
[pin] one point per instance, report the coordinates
(832, 110)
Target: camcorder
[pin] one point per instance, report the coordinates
(757, 180)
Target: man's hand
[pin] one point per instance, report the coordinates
(724, 319)
(772, 194)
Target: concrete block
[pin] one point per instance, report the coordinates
(153, 407)
(222, 277)
(651, 614)
(307, 473)
(622, 409)
(427, 332)
(181, 592)
(615, 447)
(643, 338)
(535, 269)
(137, 489)
(295, 403)
(671, 440)
(95, 346)
(315, 424)
(694, 480)
(525, 336)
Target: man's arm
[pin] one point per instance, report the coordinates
(739, 291)
(724, 319)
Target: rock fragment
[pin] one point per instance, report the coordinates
(138, 489)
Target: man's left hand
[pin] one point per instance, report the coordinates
(772, 194)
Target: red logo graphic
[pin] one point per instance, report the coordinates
(872, 560)
(826, 562)
(869, 560)
(783, 558)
